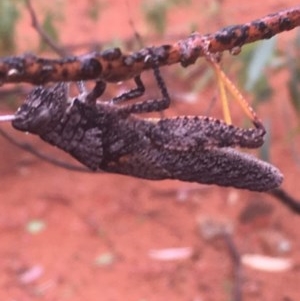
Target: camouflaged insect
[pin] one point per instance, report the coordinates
(102, 137)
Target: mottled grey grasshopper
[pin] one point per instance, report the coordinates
(109, 137)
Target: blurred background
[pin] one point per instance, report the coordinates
(71, 236)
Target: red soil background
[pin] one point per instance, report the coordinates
(99, 229)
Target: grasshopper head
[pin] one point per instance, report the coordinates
(42, 109)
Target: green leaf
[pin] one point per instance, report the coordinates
(155, 12)
(293, 66)
(9, 15)
(264, 151)
(260, 59)
(95, 9)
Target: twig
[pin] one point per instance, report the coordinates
(36, 25)
(281, 195)
(137, 35)
(12, 91)
(113, 66)
(29, 148)
(237, 266)
(4, 118)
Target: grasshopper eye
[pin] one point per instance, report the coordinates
(40, 120)
(33, 120)
(22, 118)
